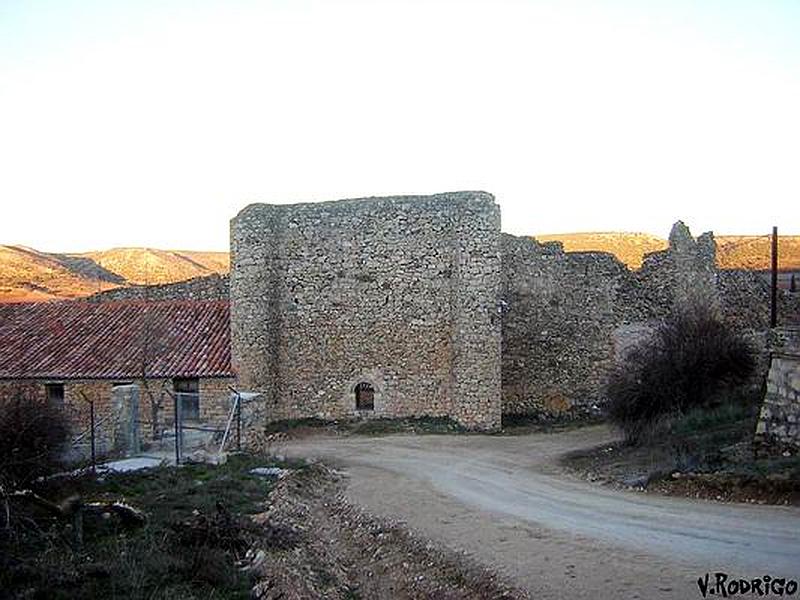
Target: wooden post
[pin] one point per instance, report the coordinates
(773, 316)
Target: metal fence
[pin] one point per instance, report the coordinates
(178, 432)
(190, 434)
(114, 433)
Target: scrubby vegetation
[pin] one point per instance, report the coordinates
(526, 423)
(196, 528)
(692, 361)
(33, 433)
(220, 532)
(705, 453)
(687, 405)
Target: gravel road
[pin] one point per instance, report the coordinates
(505, 501)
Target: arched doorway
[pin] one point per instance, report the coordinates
(365, 396)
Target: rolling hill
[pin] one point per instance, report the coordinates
(627, 247)
(146, 266)
(28, 275)
(733, 251)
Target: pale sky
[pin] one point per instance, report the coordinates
(152, 123)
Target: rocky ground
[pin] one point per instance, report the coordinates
(654, 471)
(342, 552)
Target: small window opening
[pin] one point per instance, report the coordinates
(188, 392)
(365, 396)
(55, 393)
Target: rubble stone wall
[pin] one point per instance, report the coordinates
(568, 316)
(424, 300)
(558, 326)
(399, 293)
(207, 287)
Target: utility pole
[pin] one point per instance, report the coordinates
(773, 317)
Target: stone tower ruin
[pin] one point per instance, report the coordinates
(383, 307)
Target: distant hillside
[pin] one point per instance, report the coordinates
(755, 252)
(733, 251)
(145, 266)
(627, 247)
(28, 275)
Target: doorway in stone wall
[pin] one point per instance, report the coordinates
(365, 396)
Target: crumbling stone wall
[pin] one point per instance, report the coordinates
(400, 293)
(558, 326)
(206, 287)
(683, 274)
(569, 316)
(778, 429)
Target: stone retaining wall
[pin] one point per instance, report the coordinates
(778, 429)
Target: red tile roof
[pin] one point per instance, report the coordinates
(110, 340)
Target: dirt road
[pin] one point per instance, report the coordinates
(506, 502)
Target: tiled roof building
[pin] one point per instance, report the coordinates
(114, 340)
(79, 353)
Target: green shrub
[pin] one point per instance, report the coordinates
(691, 358)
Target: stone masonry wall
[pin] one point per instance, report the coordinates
(568, 316)
(683, 274)
(558, 326)
(207, 287)
(215, 400)
(400, 293)
(778, 429)
(214, 403)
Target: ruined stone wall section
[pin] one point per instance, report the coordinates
(745, 300)
(402, 294)
(558, 326)
(569, 316)
(682, 275)
(329, 295)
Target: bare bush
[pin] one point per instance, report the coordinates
(691, 359)
(33, 433)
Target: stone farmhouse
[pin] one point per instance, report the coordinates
(74, 352)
